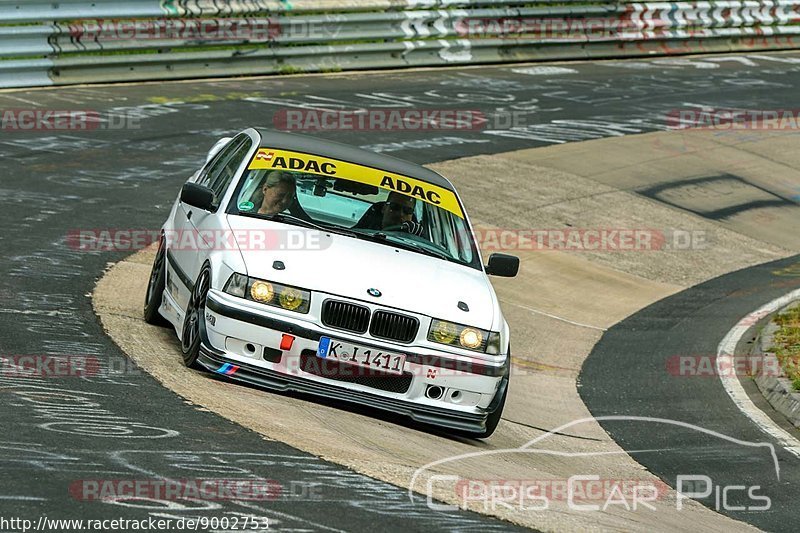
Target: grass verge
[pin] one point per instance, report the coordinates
(786, 343)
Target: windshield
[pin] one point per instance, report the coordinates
(362, 210)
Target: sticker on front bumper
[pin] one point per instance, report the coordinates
(227, 369)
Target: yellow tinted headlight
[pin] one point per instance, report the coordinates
(262, 291)
(279, 295)
(471, 338)
(269, 293)
(443, 332)
(290, 298)
(460, 336)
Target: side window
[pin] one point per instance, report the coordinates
(221, 170)
(220, 183)
(217, 162)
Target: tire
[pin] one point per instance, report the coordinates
(155, 288)
(195, 313)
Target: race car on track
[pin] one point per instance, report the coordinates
(298, 264)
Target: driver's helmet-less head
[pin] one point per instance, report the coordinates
(398, 209)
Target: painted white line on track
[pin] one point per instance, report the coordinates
(33, 312)
(554, 317)
(734, 388)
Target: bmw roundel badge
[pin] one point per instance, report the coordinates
(374, 292)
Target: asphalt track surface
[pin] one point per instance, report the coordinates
(632, 371)
(121, 424)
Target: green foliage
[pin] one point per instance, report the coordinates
(786, 343)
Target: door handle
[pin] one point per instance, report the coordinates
(189, 215)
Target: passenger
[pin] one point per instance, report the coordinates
(398, 212)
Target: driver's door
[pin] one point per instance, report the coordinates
(187, 250)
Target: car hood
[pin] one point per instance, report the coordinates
(346, 266)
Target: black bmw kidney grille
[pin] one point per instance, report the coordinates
(344, 315)
(394, 326)
(356, 318)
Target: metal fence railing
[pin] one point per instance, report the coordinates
(81, 41)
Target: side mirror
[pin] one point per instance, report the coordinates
(220, 144)
(198, 196)
(503, 265)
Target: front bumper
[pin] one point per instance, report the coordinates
(228, 323)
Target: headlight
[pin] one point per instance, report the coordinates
(464, 337)
(269, 293)
(471, 338)
(236, 285)
(291, 298)
(444, 332)
(262, 291)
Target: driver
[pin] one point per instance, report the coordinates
(278, 191)
(398, 211)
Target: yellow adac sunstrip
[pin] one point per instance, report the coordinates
(269, 158)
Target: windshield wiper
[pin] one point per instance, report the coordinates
(383, 238)
(420, 249)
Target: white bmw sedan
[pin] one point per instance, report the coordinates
(298, 264)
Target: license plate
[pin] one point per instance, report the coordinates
(371, 358)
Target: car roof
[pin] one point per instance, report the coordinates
(352, 154)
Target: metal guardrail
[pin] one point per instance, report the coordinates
(79, 41)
